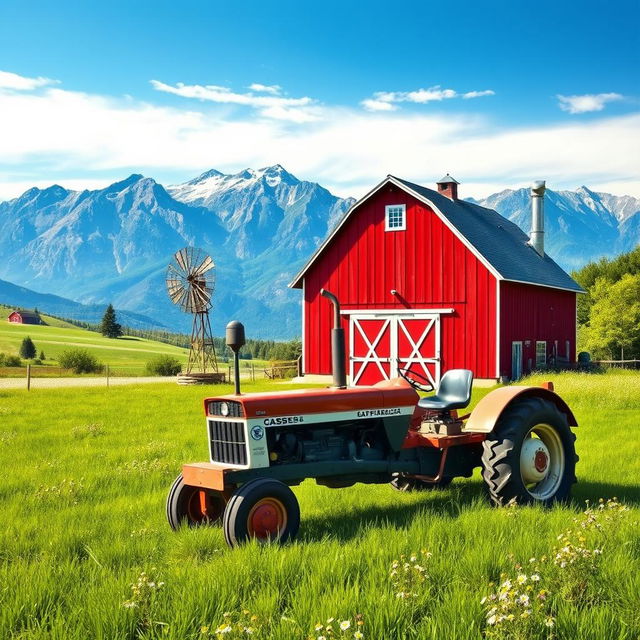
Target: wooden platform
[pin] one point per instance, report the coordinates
(200, 378)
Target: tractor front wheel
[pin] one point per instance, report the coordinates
(264, 509)
(530, 457)
(193, 505)
(402, 482)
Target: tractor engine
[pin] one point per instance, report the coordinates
(309, 426)
(341, 441)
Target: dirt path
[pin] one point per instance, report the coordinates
(56, 383)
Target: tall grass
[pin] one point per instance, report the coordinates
(86, 472)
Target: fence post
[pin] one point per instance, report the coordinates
(28, 377)
(107, 366)
(253, 372)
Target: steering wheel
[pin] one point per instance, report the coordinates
(404, 371)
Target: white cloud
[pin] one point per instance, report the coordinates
(15, 82)
(273, 89)
(270, 106)
(53, 133)
(386, 100)
(587, 102)
(478, 94)
(372, 104)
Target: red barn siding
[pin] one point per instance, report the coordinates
(529, 313)
(427, 264)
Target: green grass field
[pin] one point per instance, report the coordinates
(125, 356)
(86, 472)
(124, 353)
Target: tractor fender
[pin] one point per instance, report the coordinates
(487, 412)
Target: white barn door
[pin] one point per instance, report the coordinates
(379, 344)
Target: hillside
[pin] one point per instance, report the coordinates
(15, 296)
(56, 336)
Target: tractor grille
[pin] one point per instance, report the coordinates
(228, 443)
(235, 408)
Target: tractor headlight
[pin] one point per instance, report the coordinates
(224, 409)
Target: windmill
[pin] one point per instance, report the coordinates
(190, 283)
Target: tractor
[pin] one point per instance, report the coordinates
(261, 444)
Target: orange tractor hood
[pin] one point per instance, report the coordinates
(386, 394)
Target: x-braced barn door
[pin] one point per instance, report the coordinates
(380, 344)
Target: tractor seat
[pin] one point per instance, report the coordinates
(453, 392)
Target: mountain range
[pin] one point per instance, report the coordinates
(260, 226)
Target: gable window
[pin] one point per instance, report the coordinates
(395, 217)
(541, 353)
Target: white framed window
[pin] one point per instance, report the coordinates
(395, 217)
(541, 353)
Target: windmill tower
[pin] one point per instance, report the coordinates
(190, 284)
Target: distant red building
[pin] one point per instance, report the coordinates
(432, 282)
(24, 317)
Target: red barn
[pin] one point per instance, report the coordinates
(431, 282)
(24, 317)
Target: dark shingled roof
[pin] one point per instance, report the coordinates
(500, 242)
(30, 315)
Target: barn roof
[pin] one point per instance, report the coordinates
(29, 315)
(498, 242)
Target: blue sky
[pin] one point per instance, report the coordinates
(497, 93)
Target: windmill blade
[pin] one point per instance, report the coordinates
(176, 272)
(181, 259)
(202, 295)
(176, 294)
(181, 299)
(204, 266)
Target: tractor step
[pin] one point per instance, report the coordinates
(441, 441)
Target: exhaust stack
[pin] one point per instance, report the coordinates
(536, 237)
(337, 344)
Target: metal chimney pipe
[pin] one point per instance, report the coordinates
(536, 237)
(337, 344)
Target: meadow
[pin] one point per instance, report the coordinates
(127, 352)
(86, 552)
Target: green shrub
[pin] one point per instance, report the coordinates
(9, 361)
(80, 360)
(164, 365)
(28, 349)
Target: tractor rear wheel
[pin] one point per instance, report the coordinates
(264, 509)
(402, 482)
(530, 457)
(193, 505)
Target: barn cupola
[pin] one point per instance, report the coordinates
(448, 186)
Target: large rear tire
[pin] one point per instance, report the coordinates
(530, 457)
(193, 506)
(264, 509)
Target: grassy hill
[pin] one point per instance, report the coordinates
(58, 335)
(83, 504)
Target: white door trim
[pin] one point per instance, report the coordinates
(395, 323)
(389, 312)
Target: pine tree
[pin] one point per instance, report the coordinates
(42, 356)
(109, 327)
(27, 349)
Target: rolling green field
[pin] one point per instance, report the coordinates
(86, 472)
(57, 336)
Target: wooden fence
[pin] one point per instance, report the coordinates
(618, 364)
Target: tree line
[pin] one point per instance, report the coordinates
(609, 312)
